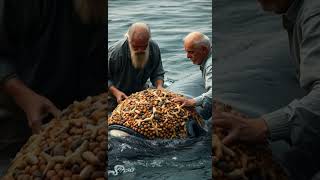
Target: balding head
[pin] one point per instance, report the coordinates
(139, 32)
(197, 46)
(138, 39)
(197, 39)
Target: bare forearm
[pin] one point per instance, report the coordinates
(113, 90)
(159, 83)
(15, 87)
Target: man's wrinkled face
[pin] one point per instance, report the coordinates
(194, 53)
(276, 6)
(139, 51)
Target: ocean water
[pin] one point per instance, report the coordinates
(253, 70)
(170, 21)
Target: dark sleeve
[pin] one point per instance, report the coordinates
(158, 72)
(302, 159)
(7, 68)
(19, 25)
(280, 122)
(114, 64)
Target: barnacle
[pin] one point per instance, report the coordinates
(154, 114)
(241, 161)
(72, 146)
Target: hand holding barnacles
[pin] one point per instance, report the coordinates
(236, 160)
(70, 147)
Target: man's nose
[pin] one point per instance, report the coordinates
(189, 55)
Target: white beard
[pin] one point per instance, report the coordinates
(90, 11)
(139, 60)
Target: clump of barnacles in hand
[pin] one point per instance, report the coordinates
(72, 146)
(241, 161)
(153, 114)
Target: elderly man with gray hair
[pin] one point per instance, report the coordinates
(198, 49)
(132, 61)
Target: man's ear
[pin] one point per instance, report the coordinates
(204, 49)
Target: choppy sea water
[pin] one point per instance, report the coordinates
(170, 21)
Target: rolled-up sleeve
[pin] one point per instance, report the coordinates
(282, 122)
(158, 72)
(208, 86)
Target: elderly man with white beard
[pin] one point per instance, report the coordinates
(132, 61)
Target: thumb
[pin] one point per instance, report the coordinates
(34, 122)
(53, 110)
(119, 99)
(230, 138)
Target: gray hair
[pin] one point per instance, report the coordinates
(136, 25)
(204, 40)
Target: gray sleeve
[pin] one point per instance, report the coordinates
(7, 69)
(282, 121)
(112, 66)
(208, 86)
(158, 72)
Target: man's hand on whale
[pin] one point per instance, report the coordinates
(119, 95)
(185, 102)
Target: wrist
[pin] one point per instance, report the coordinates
(159, 83)
(263, 127)
(15, 87)
(193, 102)
(113, 90)
(4, 79)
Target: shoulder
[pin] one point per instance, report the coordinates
(154, 47)
(208, 63)
(118, 48)
(309, 8)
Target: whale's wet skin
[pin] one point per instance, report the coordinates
(135, 158)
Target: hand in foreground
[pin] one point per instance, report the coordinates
(160, 87)
(35, 106)
(159, 84)
(120, 96)
(185, 102)
(241, 129)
